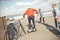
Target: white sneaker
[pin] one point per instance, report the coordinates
(34, 30)
(30, 30)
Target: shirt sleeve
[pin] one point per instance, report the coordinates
(25, 12)
(35, 10)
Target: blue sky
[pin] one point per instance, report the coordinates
(19, 6)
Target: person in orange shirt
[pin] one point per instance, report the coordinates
(30, 13)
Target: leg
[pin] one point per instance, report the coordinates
(43, 20)
(29, 21)
(33, 21)
(29, 26)
(55, 23)
(10, 37)
(59, 27)
(34, 28)
(40, 19)
(59, 24)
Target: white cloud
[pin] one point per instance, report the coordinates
(16, 8)
(25, 3)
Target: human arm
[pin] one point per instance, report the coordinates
(25, 14)
(36, 11)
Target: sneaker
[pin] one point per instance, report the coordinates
(29, 31)
(34, 30)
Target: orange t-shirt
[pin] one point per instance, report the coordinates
(30, 12)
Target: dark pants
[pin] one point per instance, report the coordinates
(10, 37)
(31, 18)
(42, 18)
(55, 23)
(59, 24)
(11, 31)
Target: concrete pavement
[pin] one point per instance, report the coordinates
(45, 31)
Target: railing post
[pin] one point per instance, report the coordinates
(2, 28)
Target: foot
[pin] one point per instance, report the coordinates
(29, 31)
(43, 22)
(34, 30)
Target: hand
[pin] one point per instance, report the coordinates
(37, 14)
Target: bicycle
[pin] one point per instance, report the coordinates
(19, 29)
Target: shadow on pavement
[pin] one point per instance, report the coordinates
(38, 21)
(52, 29)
